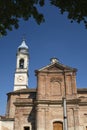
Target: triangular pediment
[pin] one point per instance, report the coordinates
(53, 68)
(56, 67)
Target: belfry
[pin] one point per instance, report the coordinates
(21, 74)
(43, 107)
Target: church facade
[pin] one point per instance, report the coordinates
(55, 104)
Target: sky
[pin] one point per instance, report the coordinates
(56, 37)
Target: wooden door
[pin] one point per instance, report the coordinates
(57, 126)
(86, 127)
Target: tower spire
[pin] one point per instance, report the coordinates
(23, 44)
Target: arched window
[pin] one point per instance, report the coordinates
(57, 125)
(21, 63)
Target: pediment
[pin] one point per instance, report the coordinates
(56, 67)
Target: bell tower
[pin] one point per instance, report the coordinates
(21, 74)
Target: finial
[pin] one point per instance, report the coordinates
(23, 38)
(54, 60)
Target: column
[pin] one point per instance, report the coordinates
(76, 119)
(40, 119)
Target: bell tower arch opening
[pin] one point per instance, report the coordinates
(21, 63)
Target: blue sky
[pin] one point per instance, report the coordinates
(56, 37)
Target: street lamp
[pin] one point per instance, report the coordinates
(64, 105)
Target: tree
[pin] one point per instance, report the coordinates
(76, 9)
(11, 11)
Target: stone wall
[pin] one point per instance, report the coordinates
(6, 125)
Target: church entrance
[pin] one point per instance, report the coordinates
(57, 125)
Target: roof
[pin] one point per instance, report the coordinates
(23, 45)
(22, 91)
(82, 90)
(4, 118)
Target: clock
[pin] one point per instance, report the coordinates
(20, 78)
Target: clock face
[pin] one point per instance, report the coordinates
(20, 78)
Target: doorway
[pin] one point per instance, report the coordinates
(57, 125)
(26, 128)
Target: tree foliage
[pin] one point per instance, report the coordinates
(11, 11)
(76, 9)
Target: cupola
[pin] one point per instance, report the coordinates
(23, 48)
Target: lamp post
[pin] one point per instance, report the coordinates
(64, 105)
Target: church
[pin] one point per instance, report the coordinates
(55, 104)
